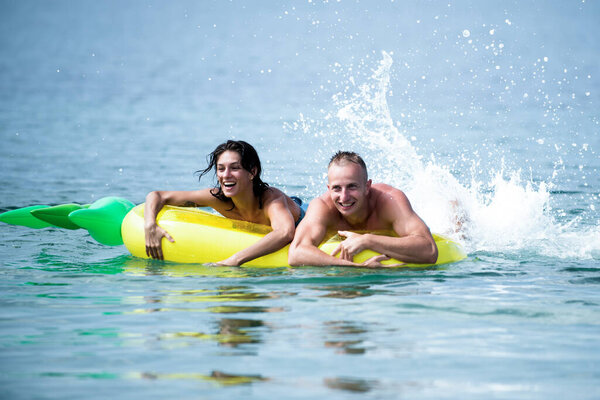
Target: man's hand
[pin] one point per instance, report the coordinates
(375, 262)
(351, 246)
(354, 244)
(154, 237)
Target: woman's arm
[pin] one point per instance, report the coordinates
(282, 222)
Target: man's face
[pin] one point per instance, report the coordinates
(348, 187)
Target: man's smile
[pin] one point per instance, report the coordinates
(347, 205)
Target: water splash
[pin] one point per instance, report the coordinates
(504, 213)
(366, 117)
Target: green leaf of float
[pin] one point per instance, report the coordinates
(103, 219)
(23, 217)
(59, 215)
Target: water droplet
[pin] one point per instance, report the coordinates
(466, 33)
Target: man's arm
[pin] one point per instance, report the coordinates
(414, 248)
(414, 244)
(310, 233)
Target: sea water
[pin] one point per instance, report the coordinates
(484, 113)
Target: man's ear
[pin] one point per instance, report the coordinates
(368, 186)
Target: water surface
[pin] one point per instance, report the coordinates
(490, 105)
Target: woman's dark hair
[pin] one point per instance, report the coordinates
(250, 161)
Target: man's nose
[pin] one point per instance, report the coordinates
(344, 195)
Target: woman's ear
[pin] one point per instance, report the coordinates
(253, 173)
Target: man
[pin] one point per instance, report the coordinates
(352, 202)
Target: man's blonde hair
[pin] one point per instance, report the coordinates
(343, 157)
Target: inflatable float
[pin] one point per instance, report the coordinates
(200, 236)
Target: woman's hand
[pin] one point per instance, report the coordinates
(154, 235)
(230, 262)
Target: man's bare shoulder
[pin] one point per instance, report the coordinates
(322, 204)
(389, 203)
(385, 193)
(321, 211)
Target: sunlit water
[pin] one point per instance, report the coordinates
(485, 115)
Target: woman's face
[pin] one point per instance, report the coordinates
(232, 177)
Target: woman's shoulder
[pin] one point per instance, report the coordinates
(273, 193)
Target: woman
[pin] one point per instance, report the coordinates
(239, 194)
